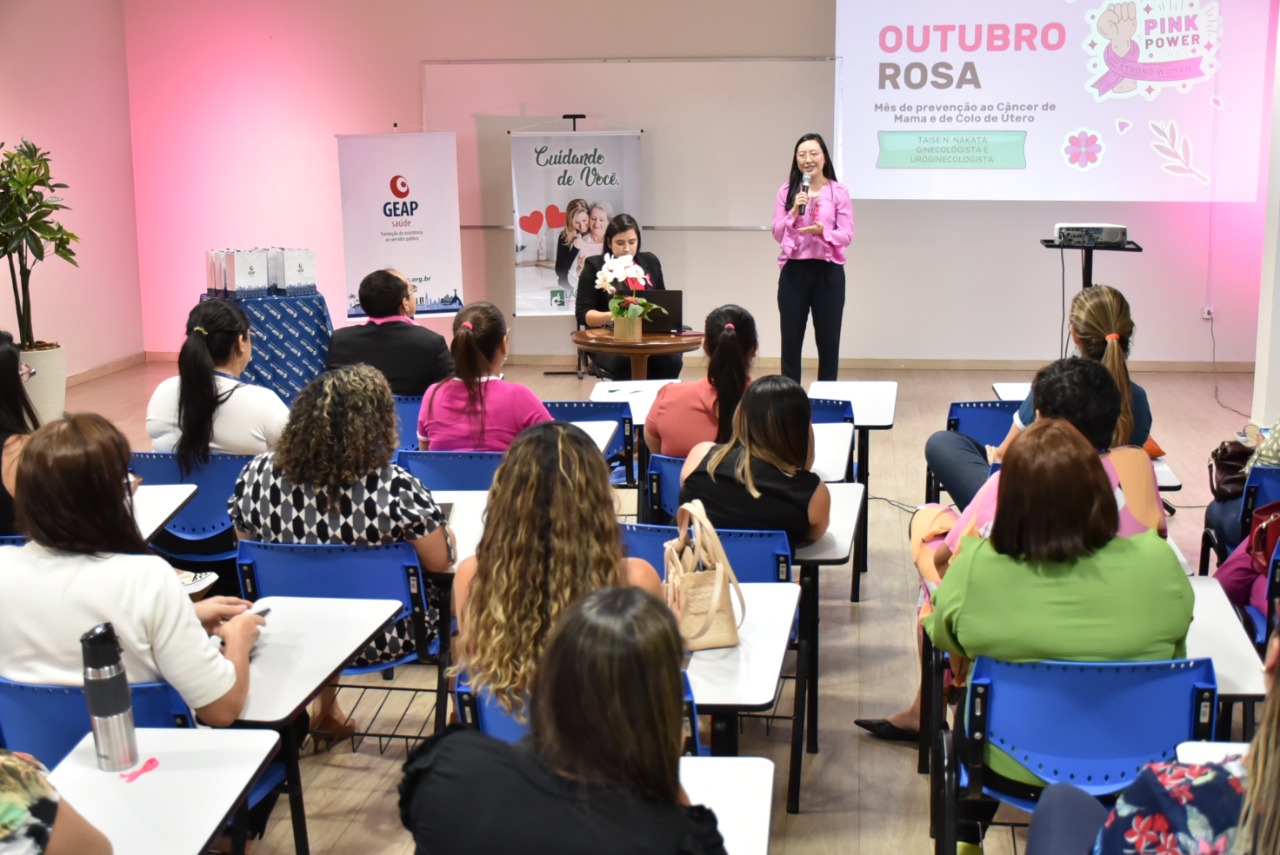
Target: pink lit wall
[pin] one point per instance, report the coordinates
(234, 108)
(63, 63)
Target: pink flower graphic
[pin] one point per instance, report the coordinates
(1083, 149)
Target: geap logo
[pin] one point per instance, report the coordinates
(399, 189)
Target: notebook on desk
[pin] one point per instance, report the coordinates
(673, 320)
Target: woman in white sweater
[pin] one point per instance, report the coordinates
(207, 408)
(87, 564)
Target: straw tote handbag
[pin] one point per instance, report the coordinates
(698, 578)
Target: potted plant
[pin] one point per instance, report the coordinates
(29, 234)
(628, 310)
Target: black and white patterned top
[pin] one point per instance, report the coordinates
(387, 506)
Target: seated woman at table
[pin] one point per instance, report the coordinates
(1082, 393)
(1102, 330)
(1225, 806)
(1054, 581)
(475, 409)
(35, 820)
(621, 238)
(207, 408)
(86, 564)
(331, 480)
(600, 770)
(550, 537)
(17, 420)
(760, 478)
(685, 414)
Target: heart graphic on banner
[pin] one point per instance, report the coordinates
(531, 223)
(555, 217)
(1122, 125)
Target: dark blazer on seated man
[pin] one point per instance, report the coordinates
(409, 356)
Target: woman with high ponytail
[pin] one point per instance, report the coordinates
(1102, 330)
(685, 414)
(207, 408)
(476, 410)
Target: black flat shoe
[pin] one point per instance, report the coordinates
(884, 729)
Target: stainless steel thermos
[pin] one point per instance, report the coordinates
(106, 689)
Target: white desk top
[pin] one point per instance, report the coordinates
(601, 433)
(1199, 753)
(1216, 633)
(836, 545)
(832, 444)
(874, 401)
(740, 792)
(1011, 391)
(177, 806)
(466, 518)
(746, 677)
(305, 642)
(638, 393)
(155, 504)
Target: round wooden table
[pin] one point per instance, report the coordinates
(601, 340)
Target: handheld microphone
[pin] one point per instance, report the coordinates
(804, 183)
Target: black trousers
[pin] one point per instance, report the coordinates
(664, 367)
(815, 286)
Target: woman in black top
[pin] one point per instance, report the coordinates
(577, 225)
(17, 421)
(759, 479)
(622, 237)
(599, 771)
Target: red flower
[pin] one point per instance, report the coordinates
(1146, 830)
(629, 301)
(1182, 793)
(1168, 845)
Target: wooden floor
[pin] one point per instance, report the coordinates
(859, 795)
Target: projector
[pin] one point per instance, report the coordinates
(1090, 234)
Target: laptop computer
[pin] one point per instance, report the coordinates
(673, 320)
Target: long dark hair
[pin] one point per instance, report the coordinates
(607, 697)
(73, 474)
(828, 170)
(1055, 501)
(731, 340)
(17, 415)
(213, 329)
(478, 331)
(618, 225)
(772, 424)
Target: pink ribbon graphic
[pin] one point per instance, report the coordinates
(1120, 67)
(130, 777)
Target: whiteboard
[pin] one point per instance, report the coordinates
(718, 133)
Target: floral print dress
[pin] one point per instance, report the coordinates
(28, 805)
(1175, 808)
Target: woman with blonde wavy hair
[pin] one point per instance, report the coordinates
(331, 480)
(550, 538)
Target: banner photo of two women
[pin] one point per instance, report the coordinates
(565, 189)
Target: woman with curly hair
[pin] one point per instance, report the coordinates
(331, 480)
(550, 537)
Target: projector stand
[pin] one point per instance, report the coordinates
(1087, 273)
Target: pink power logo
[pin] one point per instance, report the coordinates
(399, 187)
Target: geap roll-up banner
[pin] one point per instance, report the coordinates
(567, 183)
(1093, 100)
(400, 210)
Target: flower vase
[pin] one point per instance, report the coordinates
(626, 329)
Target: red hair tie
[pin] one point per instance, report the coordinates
(467, 324)
(729, 326)
(1113, 337)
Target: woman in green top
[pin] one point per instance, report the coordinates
(1054, 581)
